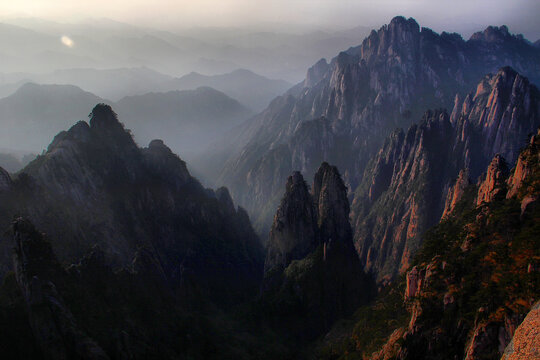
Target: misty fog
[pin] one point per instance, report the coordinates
(189, 83)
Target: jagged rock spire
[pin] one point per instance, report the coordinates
(330, 196)
(294, 230)
(494, 182)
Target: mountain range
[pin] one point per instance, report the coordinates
(418, 237)
(189, 120)
(252, 90)
(344, 109)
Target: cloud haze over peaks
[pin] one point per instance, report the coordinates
(462, 16)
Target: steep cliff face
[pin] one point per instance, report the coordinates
(493, 184)
(495, 119)
(456, 192)
(391, 219)
(363, 94)
(474, 279)
(407, 187)
(312, 273)
(526, 163)
(94, 186)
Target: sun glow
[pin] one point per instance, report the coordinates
(66, 40)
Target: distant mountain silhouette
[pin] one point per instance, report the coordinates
(31, 116)
(188, 120)
(252, 90)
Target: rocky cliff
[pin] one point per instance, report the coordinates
(345, 108)
(473, 282)
(312, 274)
(408, 185)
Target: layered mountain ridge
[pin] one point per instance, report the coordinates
(187, 120)
(94, 186)
(359, 98)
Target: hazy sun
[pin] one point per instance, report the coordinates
(66, 40)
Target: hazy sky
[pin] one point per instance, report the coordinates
(454, 15)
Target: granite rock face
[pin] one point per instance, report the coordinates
(461, 301)
(493, 184)
(401, 195)
(456, 192)
(524, 344)
(330, 197)
(524, 166)
(408, 186)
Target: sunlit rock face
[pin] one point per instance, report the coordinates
(456, 192)
(411, 182)
(524, 344)
(494, 181)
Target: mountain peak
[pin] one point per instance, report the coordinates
(495, 34)
(104, 123)
(402, 22)
(159, 145)
(102, 116)
(293, 233)
(295, 182)
(316, 73)
(330, 196)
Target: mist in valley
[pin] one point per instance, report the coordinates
(189, 79)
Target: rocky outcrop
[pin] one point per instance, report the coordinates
(465, 295)
(493, 183)
(524, 344)
(401, 195)
(525, 166)
(456, 192)
(414, 282)
(484, 342)
(294, 233)
(312, 274)
(496, 119)
(330, 197)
